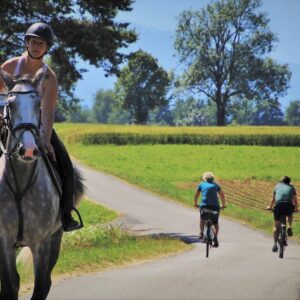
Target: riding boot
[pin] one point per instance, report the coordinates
(68, 184)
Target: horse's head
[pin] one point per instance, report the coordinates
(22, 115)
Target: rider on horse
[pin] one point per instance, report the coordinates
(38, 41)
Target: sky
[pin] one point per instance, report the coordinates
(155, 21)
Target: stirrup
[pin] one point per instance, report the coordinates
(79, 226)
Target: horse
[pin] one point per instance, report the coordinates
(30, 210)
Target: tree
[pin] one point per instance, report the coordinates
(82, 115)
(161, 115)
(83, 29)
(263, 112)
(224, 49)
(267, 113)
(102, 105)
(241, 111)
(119, 116)
(192, 112)
(105, 109)
(292, 114)
(142, 86)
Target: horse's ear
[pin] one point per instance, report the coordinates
(7, 79)
(37, 78)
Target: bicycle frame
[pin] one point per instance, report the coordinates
(208, 231)
(282, 236)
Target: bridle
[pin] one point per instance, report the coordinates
(16, 189)
(23, 127)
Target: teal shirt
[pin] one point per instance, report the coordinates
(284, 193)
(209, 193)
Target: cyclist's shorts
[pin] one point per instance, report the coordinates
(214, 217)
(285, 209)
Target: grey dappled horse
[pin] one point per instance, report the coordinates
(29, 196)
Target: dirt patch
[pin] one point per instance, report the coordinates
(249, 193)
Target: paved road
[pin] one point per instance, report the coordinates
(243, 267)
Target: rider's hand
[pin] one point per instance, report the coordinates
(196, 205)
(269, 208)
(50, 150)
(222, 206)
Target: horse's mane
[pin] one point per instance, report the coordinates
(25, 79)
(12, 80)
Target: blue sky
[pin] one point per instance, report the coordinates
(156, 20)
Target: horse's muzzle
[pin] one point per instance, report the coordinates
(28, 153)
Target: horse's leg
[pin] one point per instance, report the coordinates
(43, 267)
(55, 248)
(10, 280)
(42, 280)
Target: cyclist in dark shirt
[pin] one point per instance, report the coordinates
(209, 191)
(285, 201)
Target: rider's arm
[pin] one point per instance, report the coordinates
(48, 108)
(196, 197)
(222, 195)
(295, 202)
(272, 202)
(2, 86)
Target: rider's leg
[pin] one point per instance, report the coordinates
(201, 228)
(276, 231)
(290, 222)
(67, 201)
(216, 229)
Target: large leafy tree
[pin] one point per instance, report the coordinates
(224, 49)
(142, 86)
(83, 29)
(292, 114)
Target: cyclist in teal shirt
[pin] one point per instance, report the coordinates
(209, 191)
(285, 200)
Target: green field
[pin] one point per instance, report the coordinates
(246, 173)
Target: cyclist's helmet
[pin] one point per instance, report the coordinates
(42, 31)
(208, 176)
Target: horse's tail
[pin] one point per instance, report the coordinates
(79, 185)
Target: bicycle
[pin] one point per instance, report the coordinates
(282, 235)
(208, 233)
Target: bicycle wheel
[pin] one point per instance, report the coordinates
(281, 242)
(208, 239)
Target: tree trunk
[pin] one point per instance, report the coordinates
(221, 109)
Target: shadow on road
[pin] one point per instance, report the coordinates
(188, 239)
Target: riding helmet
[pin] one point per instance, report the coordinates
(42, 31)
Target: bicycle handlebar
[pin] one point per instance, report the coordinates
(221, 207)
(272, 209)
